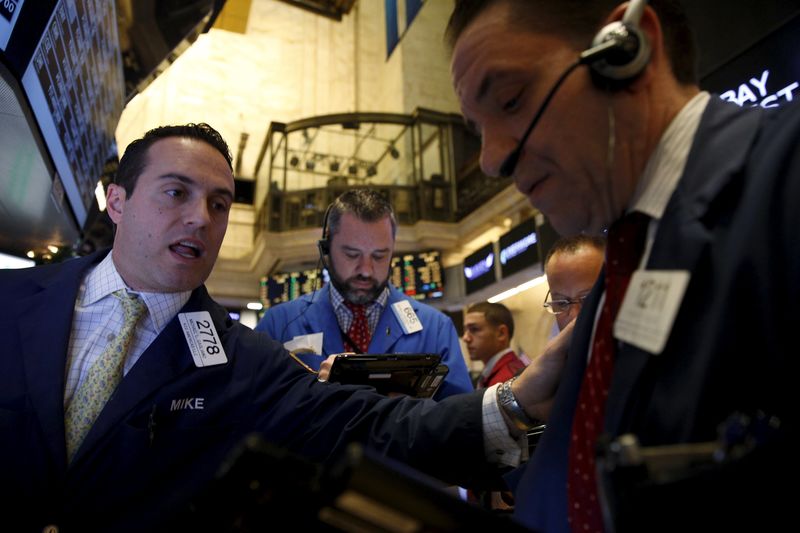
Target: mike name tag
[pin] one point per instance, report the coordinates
(202, 338)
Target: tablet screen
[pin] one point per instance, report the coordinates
(418, 375)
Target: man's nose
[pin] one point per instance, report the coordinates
(496, 145)
(198, 213)
(366, 266)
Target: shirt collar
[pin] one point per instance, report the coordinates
(105, 279)
(667, 162)
(489, 366)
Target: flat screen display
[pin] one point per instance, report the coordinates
(75, 86)
(518, 248)
(287, 286)
(418, 275)
(479, 269)
(9, 12)
(767, 74)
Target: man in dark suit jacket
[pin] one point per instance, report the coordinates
(177, 412)
(720, 185)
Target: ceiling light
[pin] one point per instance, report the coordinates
(100, 196)
(518, 289)
(294, 161)
(254, 306)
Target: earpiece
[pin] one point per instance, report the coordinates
(324, 244)
(620, 51)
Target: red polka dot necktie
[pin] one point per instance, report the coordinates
(626, 240)
(359, 329)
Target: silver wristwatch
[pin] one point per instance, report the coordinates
(508, 402)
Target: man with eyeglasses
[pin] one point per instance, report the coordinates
(572, 266)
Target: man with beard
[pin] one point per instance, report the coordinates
(359, 311)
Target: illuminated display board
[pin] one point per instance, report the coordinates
(518, 248)
(76, 89)
(418, 275)
(287, 286)
(767, 74)
(479, 269)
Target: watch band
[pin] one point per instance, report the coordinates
(508, 402)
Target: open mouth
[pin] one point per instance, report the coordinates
(187, 249)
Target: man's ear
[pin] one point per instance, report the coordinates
(650, 25)
(115, 202)
(502, 329)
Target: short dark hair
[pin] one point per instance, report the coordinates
(574, 243)
(368, 205)
(495, 314)
(134, 160)
(578, 21)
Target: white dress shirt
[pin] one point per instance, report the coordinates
(99, 317)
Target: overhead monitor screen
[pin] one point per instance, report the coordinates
(287, 286)
(518, 248)
(767, 74)
(9, 12)
(479, 269)
(418, 275)
(76, 90)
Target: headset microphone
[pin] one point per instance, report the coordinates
(619, 52)
(324, 244)
(510, 162)
(324, 247)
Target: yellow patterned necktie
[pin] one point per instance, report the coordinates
(103, 377)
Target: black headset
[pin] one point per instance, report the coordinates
(324, 247)
(619, 53)
(324, 244)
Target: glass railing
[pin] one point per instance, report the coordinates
(426, 163)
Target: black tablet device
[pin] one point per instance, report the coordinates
(413, 374)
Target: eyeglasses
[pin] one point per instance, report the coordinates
(556, 307)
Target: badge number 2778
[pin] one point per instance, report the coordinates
(202, 338)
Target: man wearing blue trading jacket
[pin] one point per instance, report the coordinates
(356, 247)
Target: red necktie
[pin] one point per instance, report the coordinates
(359, 329)
(626, 240)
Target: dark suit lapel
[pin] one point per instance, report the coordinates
(45, 329)
(162, 362)
(720, 149)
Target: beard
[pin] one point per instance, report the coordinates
(358, 296)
